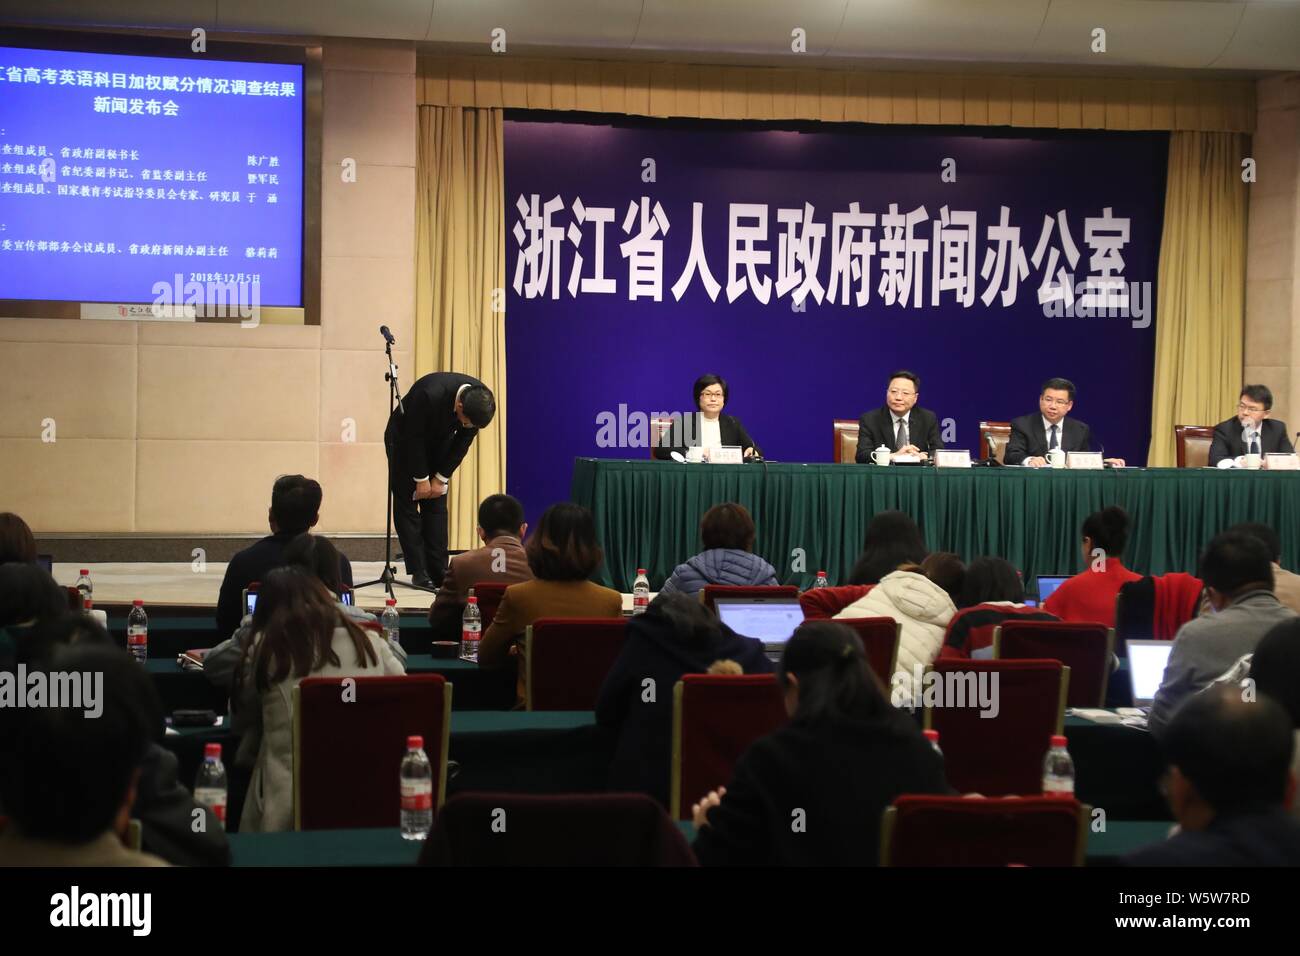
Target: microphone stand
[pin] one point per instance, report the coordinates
(388, 577)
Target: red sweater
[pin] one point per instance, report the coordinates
(1090, 595)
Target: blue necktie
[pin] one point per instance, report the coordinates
(1053, 445)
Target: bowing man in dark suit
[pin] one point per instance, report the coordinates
(1033, 436)
(708, 428)
(443, 412)
(1252, 431)
(898, 424)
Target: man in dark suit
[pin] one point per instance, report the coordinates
(1252, 431)
(426, 439)
(898, 424)
(1033, 436)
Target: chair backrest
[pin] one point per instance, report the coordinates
(880, 638)
(1192, 444)
(349, 741)
(818, 604)
(712, 592)
(658, 429)
(993, 438)
(1001, 753)
(1084, 648)
(846, 441)
(577, 829)
(715, 718)
(924, 830)
(489, 594)
(566, 660)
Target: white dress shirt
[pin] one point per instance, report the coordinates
(903, 419)
(1060, 434)
(710, 432)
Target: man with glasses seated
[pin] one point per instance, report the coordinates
(1033, 437)
(1252, 432)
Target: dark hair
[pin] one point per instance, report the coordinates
(991, 579)
(296, 618)
(500, 514)
(1275, 666)
(835, 682)
(1058, 385)
(1236, 753)
(690, 621)
(910, 376)
(63, 775)
(1234, 562)
(947, 570)
(68, 628)
(892, 538)
(295, 503)
(479, 405)
(704, 381)
(17, 543)
(564, 546)
(317, 555)
(29, 594)
(1108, 530)
(1258, 393)
(727, 526)
(1263, 533)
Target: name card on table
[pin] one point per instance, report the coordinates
(951, 458)
(727, 455)
(1087, 460)
(1283, 461)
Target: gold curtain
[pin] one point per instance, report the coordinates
(1200, 316)
(460, 283)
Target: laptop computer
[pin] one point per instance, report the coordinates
(1046, 585)
(771, 620)
(1146, 669)
(46, 561)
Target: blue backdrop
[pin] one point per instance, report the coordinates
(586, 337)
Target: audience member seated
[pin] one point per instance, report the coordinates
(295, 508)
(1089, 596)
(1228, 784)
(991, 595)
(892, 539)
(813, 792)
(675, 636)
(727, 532)
(28, 597)
(69, 776)
(1286, 586)
(947, 570)
(822, 604)
(1238, 573)
(1275, 669)
(501, 528)
(562, 554)
(297, 632)
(17, 543)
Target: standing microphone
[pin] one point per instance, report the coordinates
(388, 336)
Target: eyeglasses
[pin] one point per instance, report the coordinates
(1243, 407)
(711, 395)
(1056, 402)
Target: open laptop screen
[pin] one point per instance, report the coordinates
(1046, 585)
(772, 621)
(1146, 668)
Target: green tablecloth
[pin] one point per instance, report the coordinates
(648, 512)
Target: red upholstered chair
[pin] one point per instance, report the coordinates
(566, 660)
(712, 592)
(880, 637)
(820, 603)
(659, 428)
(489, 594)
(1192, 445)
(993, 440)
(846, 441)
(1084, 648)
(348, 745)
(580, 829)
(1002, 753)
(924, 830)
(715, 718)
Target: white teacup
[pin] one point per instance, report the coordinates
(1056, 458)
(880, 456)
(1250, 461)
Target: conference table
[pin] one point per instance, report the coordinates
(812, 517)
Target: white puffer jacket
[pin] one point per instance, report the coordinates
(921, 606)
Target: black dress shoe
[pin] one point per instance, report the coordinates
(422, 580)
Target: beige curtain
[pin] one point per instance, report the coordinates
(1200, 316)
(460, 283)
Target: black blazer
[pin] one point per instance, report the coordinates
(876, 428)
(1229, 443)
(429, 439)
(1029, 439)
(729, 426)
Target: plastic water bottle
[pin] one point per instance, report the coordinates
(1058, 770)
(137, 631)
(85, 587)
(471, 629)
(821, 581)
(390, 621)
(933, 737)
(210, 788)
(417, 791)
(640, 592)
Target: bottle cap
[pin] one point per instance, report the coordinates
(640, 570)
(1058, 740)
(391, 602)
(821, 574)
(471, 600)
(138, 603)
(85, 571)
(212, 750)
(415, 742)
(931, 735)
